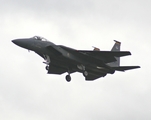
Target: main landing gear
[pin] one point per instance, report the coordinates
(85, 73)
(68, 78)
(83, 70)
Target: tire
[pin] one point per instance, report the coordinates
(47, 67)
(68, 78)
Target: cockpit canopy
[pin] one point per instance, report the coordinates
(39, 38)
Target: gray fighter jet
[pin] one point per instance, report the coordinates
(59, 59)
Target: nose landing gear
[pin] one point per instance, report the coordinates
(47, 61)
(47, 67)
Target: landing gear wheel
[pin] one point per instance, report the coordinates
(47, 67)
(85, 73)
(68, 78)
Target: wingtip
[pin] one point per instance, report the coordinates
(130, 53)
(138, 66)
(135, 67)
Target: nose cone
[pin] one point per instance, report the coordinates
(17, 42)
(21, 42)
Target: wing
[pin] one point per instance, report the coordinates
(92, 77)
(53, 69)
(58, 67)
(106, 56)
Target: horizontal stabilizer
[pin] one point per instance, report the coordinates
(120, 53)
(123, 68)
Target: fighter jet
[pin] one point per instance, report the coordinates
(60, 59)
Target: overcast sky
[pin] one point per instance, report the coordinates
(27, 92)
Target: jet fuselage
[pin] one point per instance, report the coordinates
(60, 59)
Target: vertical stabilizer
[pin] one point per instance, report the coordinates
(116, 47)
